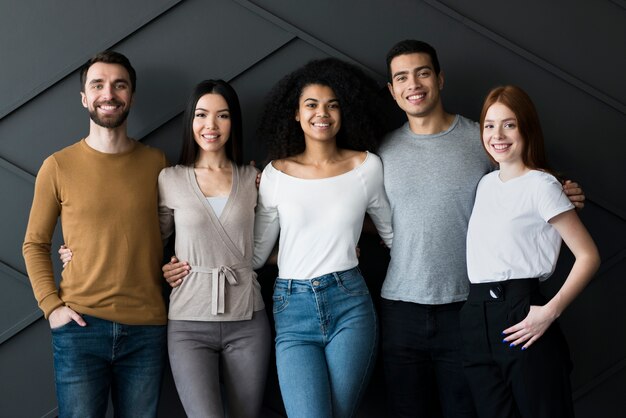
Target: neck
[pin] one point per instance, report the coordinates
(318, 153)
(109, 141)
(212, 160)
(435, 122)
(509, 171)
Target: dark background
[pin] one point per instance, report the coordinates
(570, 56)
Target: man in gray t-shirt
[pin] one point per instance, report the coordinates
(432, 165)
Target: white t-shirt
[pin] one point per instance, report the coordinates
(509, 236)
(319, 220)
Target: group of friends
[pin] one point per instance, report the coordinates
(453, 199)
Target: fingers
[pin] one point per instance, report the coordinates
(175, 271)
(76, 317)
(258, 180)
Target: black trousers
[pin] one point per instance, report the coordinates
(507, 381)
(423, 361)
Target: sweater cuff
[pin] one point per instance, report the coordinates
(50, 303)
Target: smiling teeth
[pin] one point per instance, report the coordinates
(501, 146)
(417, 96)
(322, 125)
(210, 136)
(108, 107)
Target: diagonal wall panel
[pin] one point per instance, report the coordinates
(69, 31)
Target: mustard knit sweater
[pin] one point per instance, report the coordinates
(108, 208)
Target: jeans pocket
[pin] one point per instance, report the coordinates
(279, 303)
(352, 283)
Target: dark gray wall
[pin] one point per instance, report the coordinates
(569, 55)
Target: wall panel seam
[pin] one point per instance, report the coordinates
(529, 56)
(75, 65)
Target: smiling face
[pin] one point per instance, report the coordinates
(414, 84)
(107, 94)
(211, 123)
(501, 136)
(318, 113)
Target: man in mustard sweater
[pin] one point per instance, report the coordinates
(108, 315)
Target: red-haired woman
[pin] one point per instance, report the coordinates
(516, 358)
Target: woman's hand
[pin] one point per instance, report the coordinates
(529, 330)
(175, 271)
(65, 254)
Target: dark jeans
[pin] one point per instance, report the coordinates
(104, 356)
(422, 359)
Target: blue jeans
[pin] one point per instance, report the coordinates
(326, 337)
(423, 360)
(106, 356)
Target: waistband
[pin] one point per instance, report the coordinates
(316, 283)
(499, 291)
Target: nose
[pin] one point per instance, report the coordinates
(106, 91)
(323, 112)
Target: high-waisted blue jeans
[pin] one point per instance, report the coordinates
(103, 357)
(326, 337)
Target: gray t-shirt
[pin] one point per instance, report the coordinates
(431, 183)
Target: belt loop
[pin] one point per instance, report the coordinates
(289, 287)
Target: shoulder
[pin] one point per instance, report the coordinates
(545, 181)
(390, 137)
(172, 173)
(151, 154)
(247, 170)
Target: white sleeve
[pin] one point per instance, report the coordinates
(552, 200)
(266, 222)
(378, 206)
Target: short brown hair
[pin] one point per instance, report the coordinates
(108, 57)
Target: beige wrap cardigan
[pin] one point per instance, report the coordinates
(221, 285)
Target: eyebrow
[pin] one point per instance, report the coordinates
(423, 67)
(205, 110)
(316, 100)
(101, 80)
(503, 120)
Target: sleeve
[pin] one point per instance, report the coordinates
(44, 214)
(551, 199)
(378, 206)
(266, 221)
(166, 214)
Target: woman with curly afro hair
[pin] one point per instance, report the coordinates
(319, 124)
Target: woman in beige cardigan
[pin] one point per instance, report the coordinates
(217, 321)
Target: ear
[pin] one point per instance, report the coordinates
(440, 79)
(83, 99)
(297, 115)
(390, 87)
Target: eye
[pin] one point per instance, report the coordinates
(120, 86)
(96, 86)
(333, 106)
(199, 115)
(311, 105)
(510, 125)
(488, 126)
(401, 78)
(224, 116)
(423, 74)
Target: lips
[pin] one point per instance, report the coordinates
(109, 106)
(500, 147)
(415, 97)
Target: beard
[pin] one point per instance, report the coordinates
(108, 122)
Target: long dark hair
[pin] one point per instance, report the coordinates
(234, 152)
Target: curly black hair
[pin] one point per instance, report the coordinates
(362, 122)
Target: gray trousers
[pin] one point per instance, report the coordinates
(237, 353)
